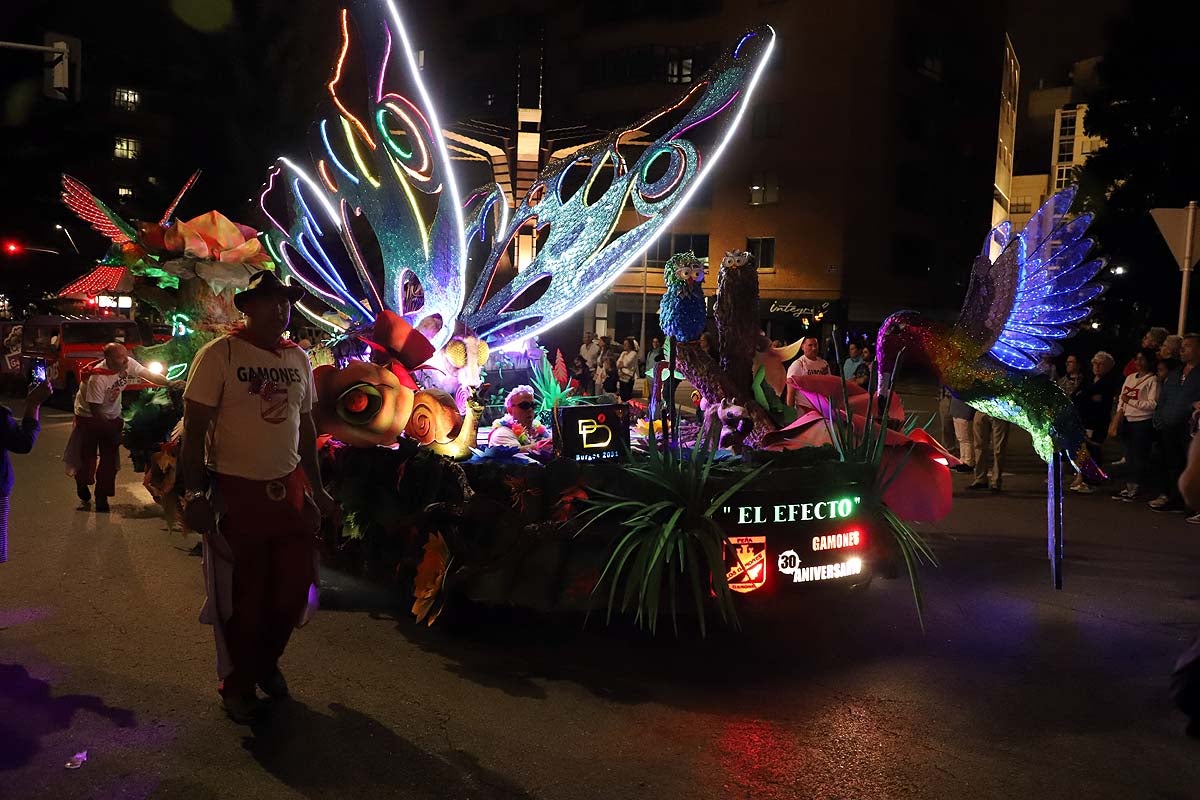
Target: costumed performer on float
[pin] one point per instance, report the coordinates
(519, 427)
(249, 462)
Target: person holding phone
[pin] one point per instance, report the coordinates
(17, 437)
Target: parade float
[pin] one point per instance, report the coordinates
(634, 510)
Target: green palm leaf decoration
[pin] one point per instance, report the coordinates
(669, 535)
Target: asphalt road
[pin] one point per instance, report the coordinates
(1014, 691)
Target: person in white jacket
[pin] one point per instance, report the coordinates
(1138, 399)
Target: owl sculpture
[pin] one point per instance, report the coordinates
(682, 312)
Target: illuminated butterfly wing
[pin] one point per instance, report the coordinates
(376, 221)
(93, 211)
(653, 166)
(1038, 289)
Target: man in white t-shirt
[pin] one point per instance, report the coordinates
(809, 363)
(249, 462)
(94, 449)
(590, 350)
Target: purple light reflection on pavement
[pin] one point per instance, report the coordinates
(11, 617)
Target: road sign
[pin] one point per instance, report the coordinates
(1173, 225)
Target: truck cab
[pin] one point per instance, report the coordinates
(68, 344)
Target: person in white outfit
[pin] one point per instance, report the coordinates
(1134, 420)
(963, 416)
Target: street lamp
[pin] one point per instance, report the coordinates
(69, 238)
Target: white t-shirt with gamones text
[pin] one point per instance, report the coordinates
(259, 396)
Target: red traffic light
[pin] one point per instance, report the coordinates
(12, 248)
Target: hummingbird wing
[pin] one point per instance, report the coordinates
(92, 210)
(166, 217)
(1037, 290)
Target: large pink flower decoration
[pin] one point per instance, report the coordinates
(214, 237)
(914, 469)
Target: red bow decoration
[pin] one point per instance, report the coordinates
(403, 345)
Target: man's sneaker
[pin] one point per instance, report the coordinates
(275, 686)
(1083, 488)
(242, 709)
(1126, 495)
(1159, 502)
(1170, 508)
(978, 485)
(102, 505)
(1194, 519)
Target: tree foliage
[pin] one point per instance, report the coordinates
(1147, 110)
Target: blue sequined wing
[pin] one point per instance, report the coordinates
(1038, 289)
(650, 168)
(373, 220)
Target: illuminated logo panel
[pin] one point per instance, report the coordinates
(591, 433)
(838, 541)
(748, 567)
(790, 563)
(784, 513)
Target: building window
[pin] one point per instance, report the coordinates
(764, 188)
(696, 242)
(1021, 205)
(1066, 151)
(1062, 176)
(1066, 125)
(124, 193)
(763, 251)
(658, 253)
(679, 67)
(127, 99)
(766, 121)
(127, 147)
(420, 59)
(666, 246)
(491, 99)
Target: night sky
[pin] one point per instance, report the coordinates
(1051, 34)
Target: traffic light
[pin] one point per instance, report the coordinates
(12, 248)
(62, 68)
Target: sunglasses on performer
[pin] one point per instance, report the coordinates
(525, 406)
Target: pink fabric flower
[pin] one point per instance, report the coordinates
(914, 469)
